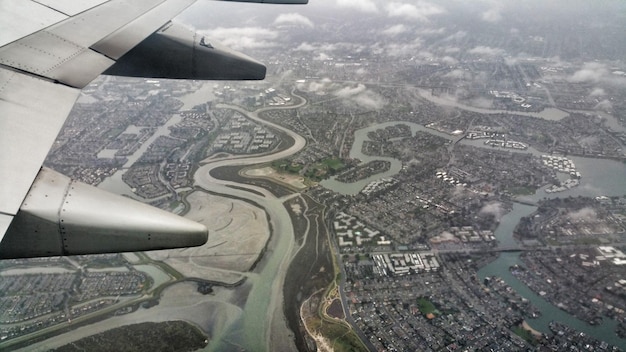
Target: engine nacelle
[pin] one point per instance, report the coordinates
(60, 216)
(175, 51)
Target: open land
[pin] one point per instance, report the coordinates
(238, 233)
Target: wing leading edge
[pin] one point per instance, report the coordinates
(44, 62)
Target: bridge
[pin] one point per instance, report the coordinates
(512, 248)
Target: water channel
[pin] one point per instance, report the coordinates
(355, 152)
(260, 320)
(599, 177)
(500, 268)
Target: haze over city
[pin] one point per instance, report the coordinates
(410, 176)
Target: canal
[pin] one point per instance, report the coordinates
(599, 177)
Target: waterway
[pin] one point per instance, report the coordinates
(610, 121)
(500, 268)
(159, 276)
(261, 324)
(599, 177)
(552, 114)
(114, 183)
(360, 136)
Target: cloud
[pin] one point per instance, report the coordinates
(322, 57)
(492, 15)
(494, 208)
(240, 38)
(330, 47)
(448, 60)
(492, 10)
(511, 61)
(456, 36)
(457, 74)
(320, 87)
(605, 105)
(482, 50)
(451, 50)
(362, 96)
(595, 72)
(596, 92)
(591, 72)
(395, 30)
(361, 71)
(293, 19)
(361, 5)
(350, 91)
(431, 31)
(407, 49)
(315, 47)
(421, 10)
(306, 47)
(370, 100)
(582, 214)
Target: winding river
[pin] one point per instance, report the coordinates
(262, 320)
(260, 325)
(599, 177)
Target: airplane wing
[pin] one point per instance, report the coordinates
(49, 50)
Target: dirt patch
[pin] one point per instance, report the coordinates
(532, 331)
(295, 181)
(238, 233)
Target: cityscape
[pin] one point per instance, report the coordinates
(410, 176)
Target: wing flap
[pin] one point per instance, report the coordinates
(48, 55)
(176, 51)
(61, 52)
(33, 111)
(71, 7)
(40, 46)
(89, 27)
(124, 39)
(81, 69)
(5, 221)
(19, 18)
(283, 2)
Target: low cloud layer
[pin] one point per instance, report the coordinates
(395, 30)
(360, 5)
(597, 92)
(241, 38)
(493, 13)
(494, 208)
(584, 214)
(420, 11)
(361, 96)
(591, 72)
(293, 19)
(482, 50)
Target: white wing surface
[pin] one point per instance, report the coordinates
(49, 50)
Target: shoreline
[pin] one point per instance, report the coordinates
(534, 332)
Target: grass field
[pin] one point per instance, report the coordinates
(426, 306)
